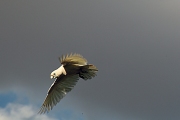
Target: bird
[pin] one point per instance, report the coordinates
(73, 67)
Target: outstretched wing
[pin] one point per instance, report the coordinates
(58, 90)
(75, 59)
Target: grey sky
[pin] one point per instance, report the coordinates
(134, 44)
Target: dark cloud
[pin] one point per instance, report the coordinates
(135, 45)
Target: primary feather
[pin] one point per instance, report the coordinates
(73, 67)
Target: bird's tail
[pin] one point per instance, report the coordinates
(88, 71)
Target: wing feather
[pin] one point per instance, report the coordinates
(73, 59)
(58, 90)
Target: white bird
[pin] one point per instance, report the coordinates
(73, 67)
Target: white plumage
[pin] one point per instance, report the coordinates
(73, 67)
(56, 73)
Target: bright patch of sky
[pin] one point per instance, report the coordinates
(7, 98)
(12, 97)
(13, 106)
(21, 112)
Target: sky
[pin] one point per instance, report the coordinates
(135, 45)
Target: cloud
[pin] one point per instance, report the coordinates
(21, 112)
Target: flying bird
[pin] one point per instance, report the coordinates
(74, 66)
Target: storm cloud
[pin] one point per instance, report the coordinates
(134, 44)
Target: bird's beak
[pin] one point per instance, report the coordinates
(51, 77)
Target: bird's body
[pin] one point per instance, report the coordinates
(73, 67)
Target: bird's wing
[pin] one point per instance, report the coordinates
(58, 90)
(73, 59)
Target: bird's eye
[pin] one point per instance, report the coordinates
(54, 73)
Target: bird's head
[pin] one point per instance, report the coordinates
(53, 75)
(56, 73)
